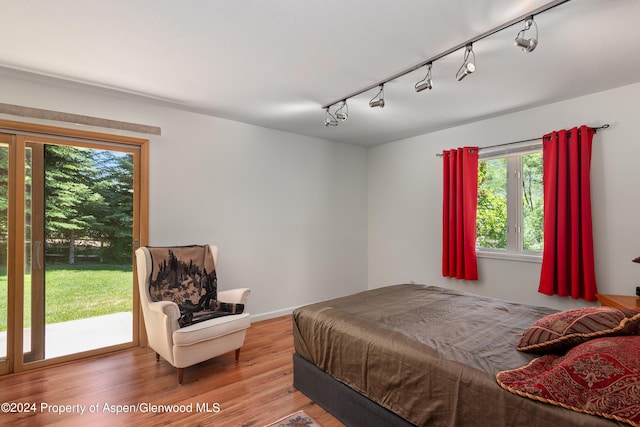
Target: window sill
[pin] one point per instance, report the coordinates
(509, 256)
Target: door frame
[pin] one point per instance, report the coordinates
(22, 133)
(6, 365)
(37, 235)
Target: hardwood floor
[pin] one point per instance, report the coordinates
(220, 392)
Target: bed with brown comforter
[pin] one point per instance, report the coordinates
(427, 354)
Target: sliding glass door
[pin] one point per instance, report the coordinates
(75, 222)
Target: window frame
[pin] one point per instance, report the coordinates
(515, 190)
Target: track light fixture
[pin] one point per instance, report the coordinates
(527, 45)
(330, 119)
(379, 102)
(426, 82)
(342, 113)
(467, 66)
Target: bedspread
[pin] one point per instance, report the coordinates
(427, 353)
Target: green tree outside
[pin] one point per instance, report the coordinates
(492, 218)
(89, 196)
(89, 205)
(491, 228)
(533, 202)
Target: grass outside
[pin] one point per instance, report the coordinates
(76, 292)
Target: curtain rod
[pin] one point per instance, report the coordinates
(449, 51)
(596, 129)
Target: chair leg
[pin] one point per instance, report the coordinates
(180, 375)
(157, 357)
(237, 354)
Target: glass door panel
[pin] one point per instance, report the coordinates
(79, 215)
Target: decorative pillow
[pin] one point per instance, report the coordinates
(599, 377)
(560, 331)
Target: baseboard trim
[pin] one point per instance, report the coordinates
(272, 314)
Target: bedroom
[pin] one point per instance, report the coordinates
(301, 218)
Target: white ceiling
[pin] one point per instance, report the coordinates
(275, 63)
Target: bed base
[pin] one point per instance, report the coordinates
(350, 407)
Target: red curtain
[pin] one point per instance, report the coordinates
(459, 208)
(567, 260)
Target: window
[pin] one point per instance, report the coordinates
(510, 205)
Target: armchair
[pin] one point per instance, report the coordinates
(185, 346)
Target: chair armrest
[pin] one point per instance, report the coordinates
(167, 308)
(235, 296)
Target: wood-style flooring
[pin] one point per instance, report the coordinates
(253, 392)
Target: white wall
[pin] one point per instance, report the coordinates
(288, 212)
(300, 219)
(405, 200)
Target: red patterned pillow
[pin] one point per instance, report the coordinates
(559, 331)
(600, 377)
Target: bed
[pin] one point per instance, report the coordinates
(420, 355)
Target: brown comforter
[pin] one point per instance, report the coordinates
(429, 354)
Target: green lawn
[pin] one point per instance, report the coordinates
(76, 292)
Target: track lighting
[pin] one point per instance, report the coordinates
(426, 82)
(467, 66)
(527, 45)
(330, 120)
(342, 113)
(380, 101)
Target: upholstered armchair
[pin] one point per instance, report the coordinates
(185, 345)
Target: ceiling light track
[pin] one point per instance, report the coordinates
(527, 45)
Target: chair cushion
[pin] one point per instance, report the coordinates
(211, 329)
